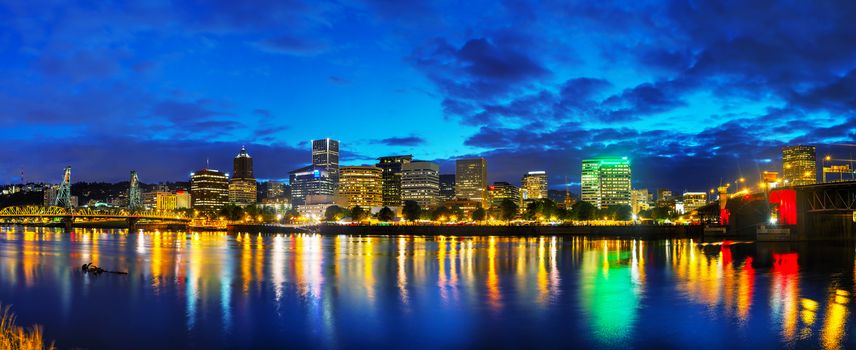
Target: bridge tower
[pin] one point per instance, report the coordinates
(63, 194)
(135, 198)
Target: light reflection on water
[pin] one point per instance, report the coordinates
(215, 290)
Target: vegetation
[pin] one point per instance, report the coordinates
(335, 213)
(13, 337)
(583, 211)
(385, 214)
(479, 214)
(235, 212)
(359, 214)
(411, 210)
(507, 209)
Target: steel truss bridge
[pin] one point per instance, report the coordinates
(835, 197)
(55, 214)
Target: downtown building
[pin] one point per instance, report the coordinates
(605, 181)
(471, 179)
(420, 182)
(501, 191)
(799, 165)
(534, 185)
(325, 156)
(391, 167)
(310, 186)
(447, 187)
(209, 190)
(242, 186)
(694, 200)
(360, 186)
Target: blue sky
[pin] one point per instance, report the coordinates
(693, 92)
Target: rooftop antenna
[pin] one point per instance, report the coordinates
(207, 165)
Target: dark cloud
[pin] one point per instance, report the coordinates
(294, 45)
(401, 141)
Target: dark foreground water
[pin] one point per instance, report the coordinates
(305, 291)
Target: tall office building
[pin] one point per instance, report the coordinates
(471, 179)
(243, 165)
(606, 181)
(182, 199)
(447, 187)
(420, 182)
(274, 189)
(799, 165)
(325, 156)
(360, 185)
(392, 178)
(310, 186)
(500, 191)
(639, 200)
(209, 190)
(534, 185)
(242, 186)
(694, 200)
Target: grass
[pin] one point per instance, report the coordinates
(13, 337)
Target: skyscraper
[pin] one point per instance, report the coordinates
(391, 166)
(325, 156)
(242, 186)
(606, 181)
(501, 191)
(420, 182)
(447, 187)
(310, 186)
(209, 190)
(360, 185)
(799, 165)
(534, 185)
(471, 179)
(243, 165)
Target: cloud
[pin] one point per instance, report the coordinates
(401, 141)
(293, 45)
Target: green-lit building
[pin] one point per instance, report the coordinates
(606, 181)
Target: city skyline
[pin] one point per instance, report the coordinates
(114, 87)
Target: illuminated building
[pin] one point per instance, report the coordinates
(310, 186)
(844, 173)
(165, 201)
(799, 165)
(606, 181)
(665, 199)
(471, 179)
(279, 205)
(500, 191)
(447, 187)
(360, 185)
(209, 190)
(242, 191)
(694, 200)
(325, 156)
(392, 178)
(243, 165)
(534, 185)
(182, 199)
(275, 189)
(420, 182)
(639, 200)
(242, 186)
(770, 180)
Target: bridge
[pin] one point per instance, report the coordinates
(69, 216)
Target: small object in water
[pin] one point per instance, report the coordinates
(87, 268)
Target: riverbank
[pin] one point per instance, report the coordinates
(627, 231)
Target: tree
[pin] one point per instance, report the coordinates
(583, 211)
(623, 212)
(411, 210)
(507, 209)
(385, 214)
(232, 212)
(358, 213)
(541, 209)
(335, 213)
(457, 213)
(441, 213)
(479, 214)
(291, 215)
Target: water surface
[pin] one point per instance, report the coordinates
(214, 290)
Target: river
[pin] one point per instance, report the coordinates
(218, 290)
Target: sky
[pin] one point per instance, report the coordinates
(694, 92)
